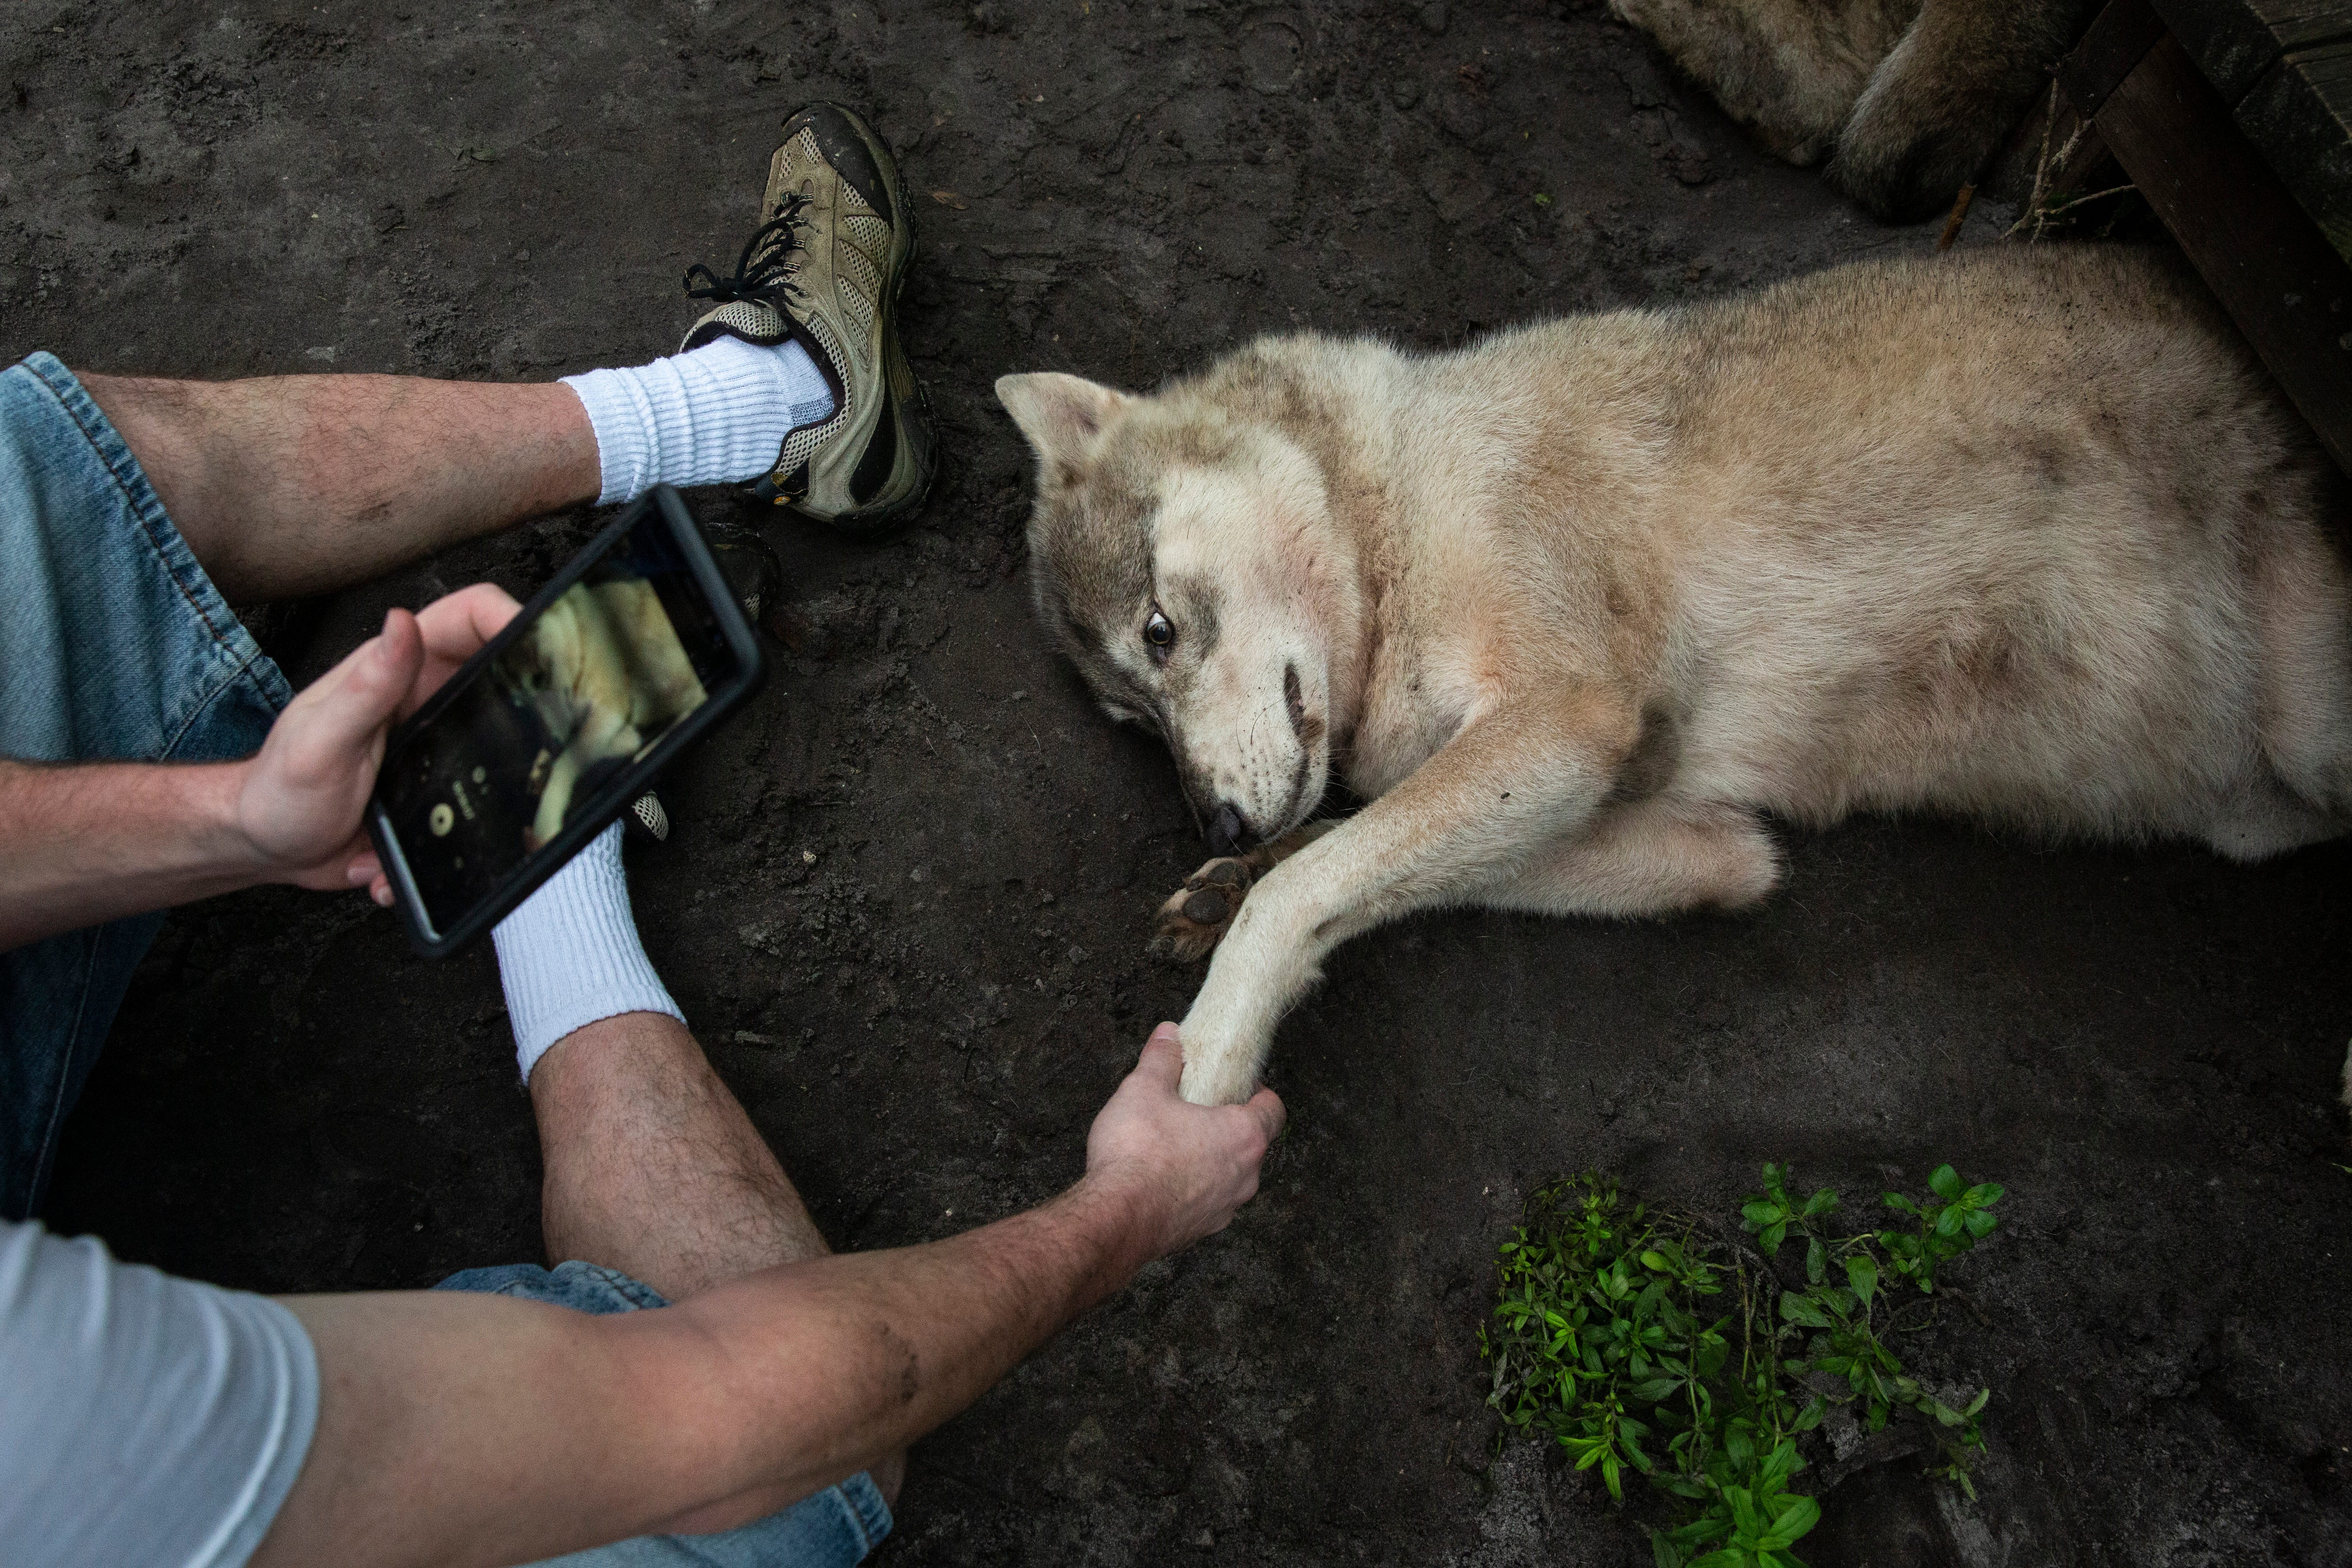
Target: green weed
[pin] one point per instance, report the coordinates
(1638, 1341)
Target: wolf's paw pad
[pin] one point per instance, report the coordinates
(1190, 923)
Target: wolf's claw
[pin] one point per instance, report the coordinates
(1191, 922)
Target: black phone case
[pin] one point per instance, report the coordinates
(614, 797)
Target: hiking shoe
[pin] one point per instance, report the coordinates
(646, 817)
(824, 267)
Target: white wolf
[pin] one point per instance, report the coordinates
(2025, 535)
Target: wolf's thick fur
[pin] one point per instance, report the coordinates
(2020, 534)
(1907, 100)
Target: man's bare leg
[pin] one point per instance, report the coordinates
(653, 1169)
(652, 1166)
(289, 484)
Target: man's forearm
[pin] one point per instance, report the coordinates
(912, 1336)
(700, 1418)
(90, 842)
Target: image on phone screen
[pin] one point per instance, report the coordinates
(591, 684)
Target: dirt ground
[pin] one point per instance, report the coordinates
(906, 901)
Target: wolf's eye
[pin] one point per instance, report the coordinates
(1161, 633)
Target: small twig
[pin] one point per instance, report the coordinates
(2094, 195)
(2040, 166)
(2081, 126)
(1959, 216)
(2042, 213)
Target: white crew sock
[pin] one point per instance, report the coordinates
(568, 954)
(712, 416)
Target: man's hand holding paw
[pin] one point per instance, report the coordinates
(1182, 1169)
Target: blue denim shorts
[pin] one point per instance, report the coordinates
(114, 647)
(831, 1528)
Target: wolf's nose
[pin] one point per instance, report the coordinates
(1226, 829)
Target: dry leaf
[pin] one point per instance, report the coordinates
(949, 199)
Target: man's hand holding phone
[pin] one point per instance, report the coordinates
(572, 705)
(91, 842)
(303, 795)
(627, 656)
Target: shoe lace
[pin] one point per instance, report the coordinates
(765, 271)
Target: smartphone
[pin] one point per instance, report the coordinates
(542, 738)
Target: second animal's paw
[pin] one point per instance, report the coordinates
(1195, 920)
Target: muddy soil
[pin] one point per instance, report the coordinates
(906, 901)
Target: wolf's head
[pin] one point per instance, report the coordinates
(1185, 558)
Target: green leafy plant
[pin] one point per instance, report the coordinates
(1640, 1341)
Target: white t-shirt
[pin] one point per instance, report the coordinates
(143, 1419)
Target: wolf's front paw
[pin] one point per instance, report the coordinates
(1907, 170)
(1195, 920)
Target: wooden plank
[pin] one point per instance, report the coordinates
(2286, 286)
(2233, 42)
(2116, 38)
(2300, 23)
(2299, 115)
(2284, 66)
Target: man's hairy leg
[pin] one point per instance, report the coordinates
(653, 1168)
(289, 485)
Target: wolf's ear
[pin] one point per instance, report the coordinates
(1061, 415)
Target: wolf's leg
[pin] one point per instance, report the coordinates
(2299, 790)
(1195, 916)
(1650, 859)
(1525, 775)
(2303, 608)
(1941, 102)
(1790, 71)
(2267, 818)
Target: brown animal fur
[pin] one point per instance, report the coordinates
(2020, 535)
(1907, 100)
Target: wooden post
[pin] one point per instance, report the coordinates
(2265, 260)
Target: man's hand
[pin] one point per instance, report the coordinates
(87, 842)
(1185, 1168)
(300, 801)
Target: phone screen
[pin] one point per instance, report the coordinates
(618, 660)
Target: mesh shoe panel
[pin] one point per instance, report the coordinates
(861, 271)
(750, 318)
(859, 310)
